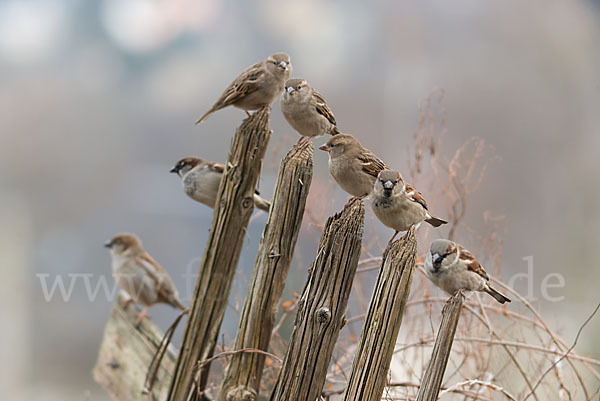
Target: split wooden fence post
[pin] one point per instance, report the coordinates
(126, 353)
(432, 379)
(322, 308)
(231, 216)
(382, 322)
(243, 374)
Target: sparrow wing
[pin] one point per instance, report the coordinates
(415, 196)
(217, 167)
(371, 164)
(471, 263)
(247, 82)
(164, 284)
(322, 107)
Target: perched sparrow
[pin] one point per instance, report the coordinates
(146, 282)
(452, 268)
(306, 111)
(257, 86)
(201, 181)
(397, 204)
(353, 167)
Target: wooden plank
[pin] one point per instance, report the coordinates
(432, 379)
(322, 308)
(244, 372)
(221, 254)
(382, 322)
(126, 353)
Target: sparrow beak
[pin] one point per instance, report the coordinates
(290, 89)
(174, 170)
(435, 257)
(108, 244)
(388, 184)
(324, 148)
(284, 66)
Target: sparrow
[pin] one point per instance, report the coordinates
(397, 204)
(453, 268)
(353, 167)
(144, 280)
(201, 181)
(257, 86)
(306, 110)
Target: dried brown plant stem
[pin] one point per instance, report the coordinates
(243, 374)
(565, 354)
(382, 323)
(231, 216)
(322, 307)
(561, 345)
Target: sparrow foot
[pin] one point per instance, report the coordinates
(141, 316)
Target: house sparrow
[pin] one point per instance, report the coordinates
(353, 167)
(452, 268)
(306, 111)
(201, 181)
(397, 204)
(257, 86)
(144, 280)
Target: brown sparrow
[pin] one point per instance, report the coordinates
(452, 268)
(397, 204)
(144, 280)
(353, 167)
(201, 181)
(306, 111)
(257, 86)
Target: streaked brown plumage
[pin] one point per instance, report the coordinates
(201, 179)
(136, 272)
(397, 205)
(257, 86)
(353, 167)
(306, 110)
(453, 268)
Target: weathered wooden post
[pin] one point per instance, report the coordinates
(382, 322)
(432, 379)
(126, 353)
(231, 216)
(243, 374)
(322, 308)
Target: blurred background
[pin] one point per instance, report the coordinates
(98, 101)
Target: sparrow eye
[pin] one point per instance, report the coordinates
(299, 87)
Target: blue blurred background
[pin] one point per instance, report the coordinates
(98, 101)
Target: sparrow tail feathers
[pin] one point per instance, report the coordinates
(499, 297)
(262, 203)
(435, 221)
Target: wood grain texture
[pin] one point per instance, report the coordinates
(275, 252)
(382, 322)
(125, 355)
(322, 307)
(432, 379)
(231, 216)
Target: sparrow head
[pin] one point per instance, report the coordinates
(185, 165)
(442, 254)
(388, 183)
(340, 144)
(123, 242)
(296, 86)
(280, 63)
